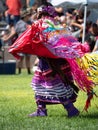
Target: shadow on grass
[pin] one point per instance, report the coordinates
(90, 115)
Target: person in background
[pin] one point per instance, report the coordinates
(96, 46)
(12, 14)
(97, 21)
(18, 29)
(91, 36)
(77, 24)
(60, 11)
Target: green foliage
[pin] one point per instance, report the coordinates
(17, 101)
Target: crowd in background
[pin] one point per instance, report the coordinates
(20, 15)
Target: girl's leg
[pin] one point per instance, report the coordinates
(41, 110)
(71, 109)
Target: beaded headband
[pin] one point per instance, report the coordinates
(49, 9)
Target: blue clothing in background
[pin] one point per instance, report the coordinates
(31, 2)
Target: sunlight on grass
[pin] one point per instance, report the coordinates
(17, 101)
(14, 94)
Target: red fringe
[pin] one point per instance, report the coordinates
(88, 101)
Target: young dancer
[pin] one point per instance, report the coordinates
(58, 53)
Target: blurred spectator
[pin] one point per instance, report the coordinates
(33, 17)
(88, 26)
(60, 11)
(97, 22)
(6, 34)
(78, 23)
(2, 17)
(69, 16)
(63, 20)
(91, 35)
(96, 46)
(18, 29)
(24, 4)
(13, 12)
(3, 6)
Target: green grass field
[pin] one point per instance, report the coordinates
(17, 101)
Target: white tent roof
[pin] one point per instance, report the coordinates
(65, 3)
(58, 2)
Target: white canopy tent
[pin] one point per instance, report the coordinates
(77, 3)
(65, 3)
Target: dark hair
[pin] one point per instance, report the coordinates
(70, 10)
(95, 28)
(42, 2)
(47, 11)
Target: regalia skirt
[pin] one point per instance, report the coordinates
(49, 88)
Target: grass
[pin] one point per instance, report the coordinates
(17, 101)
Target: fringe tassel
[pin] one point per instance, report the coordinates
(88, 101)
